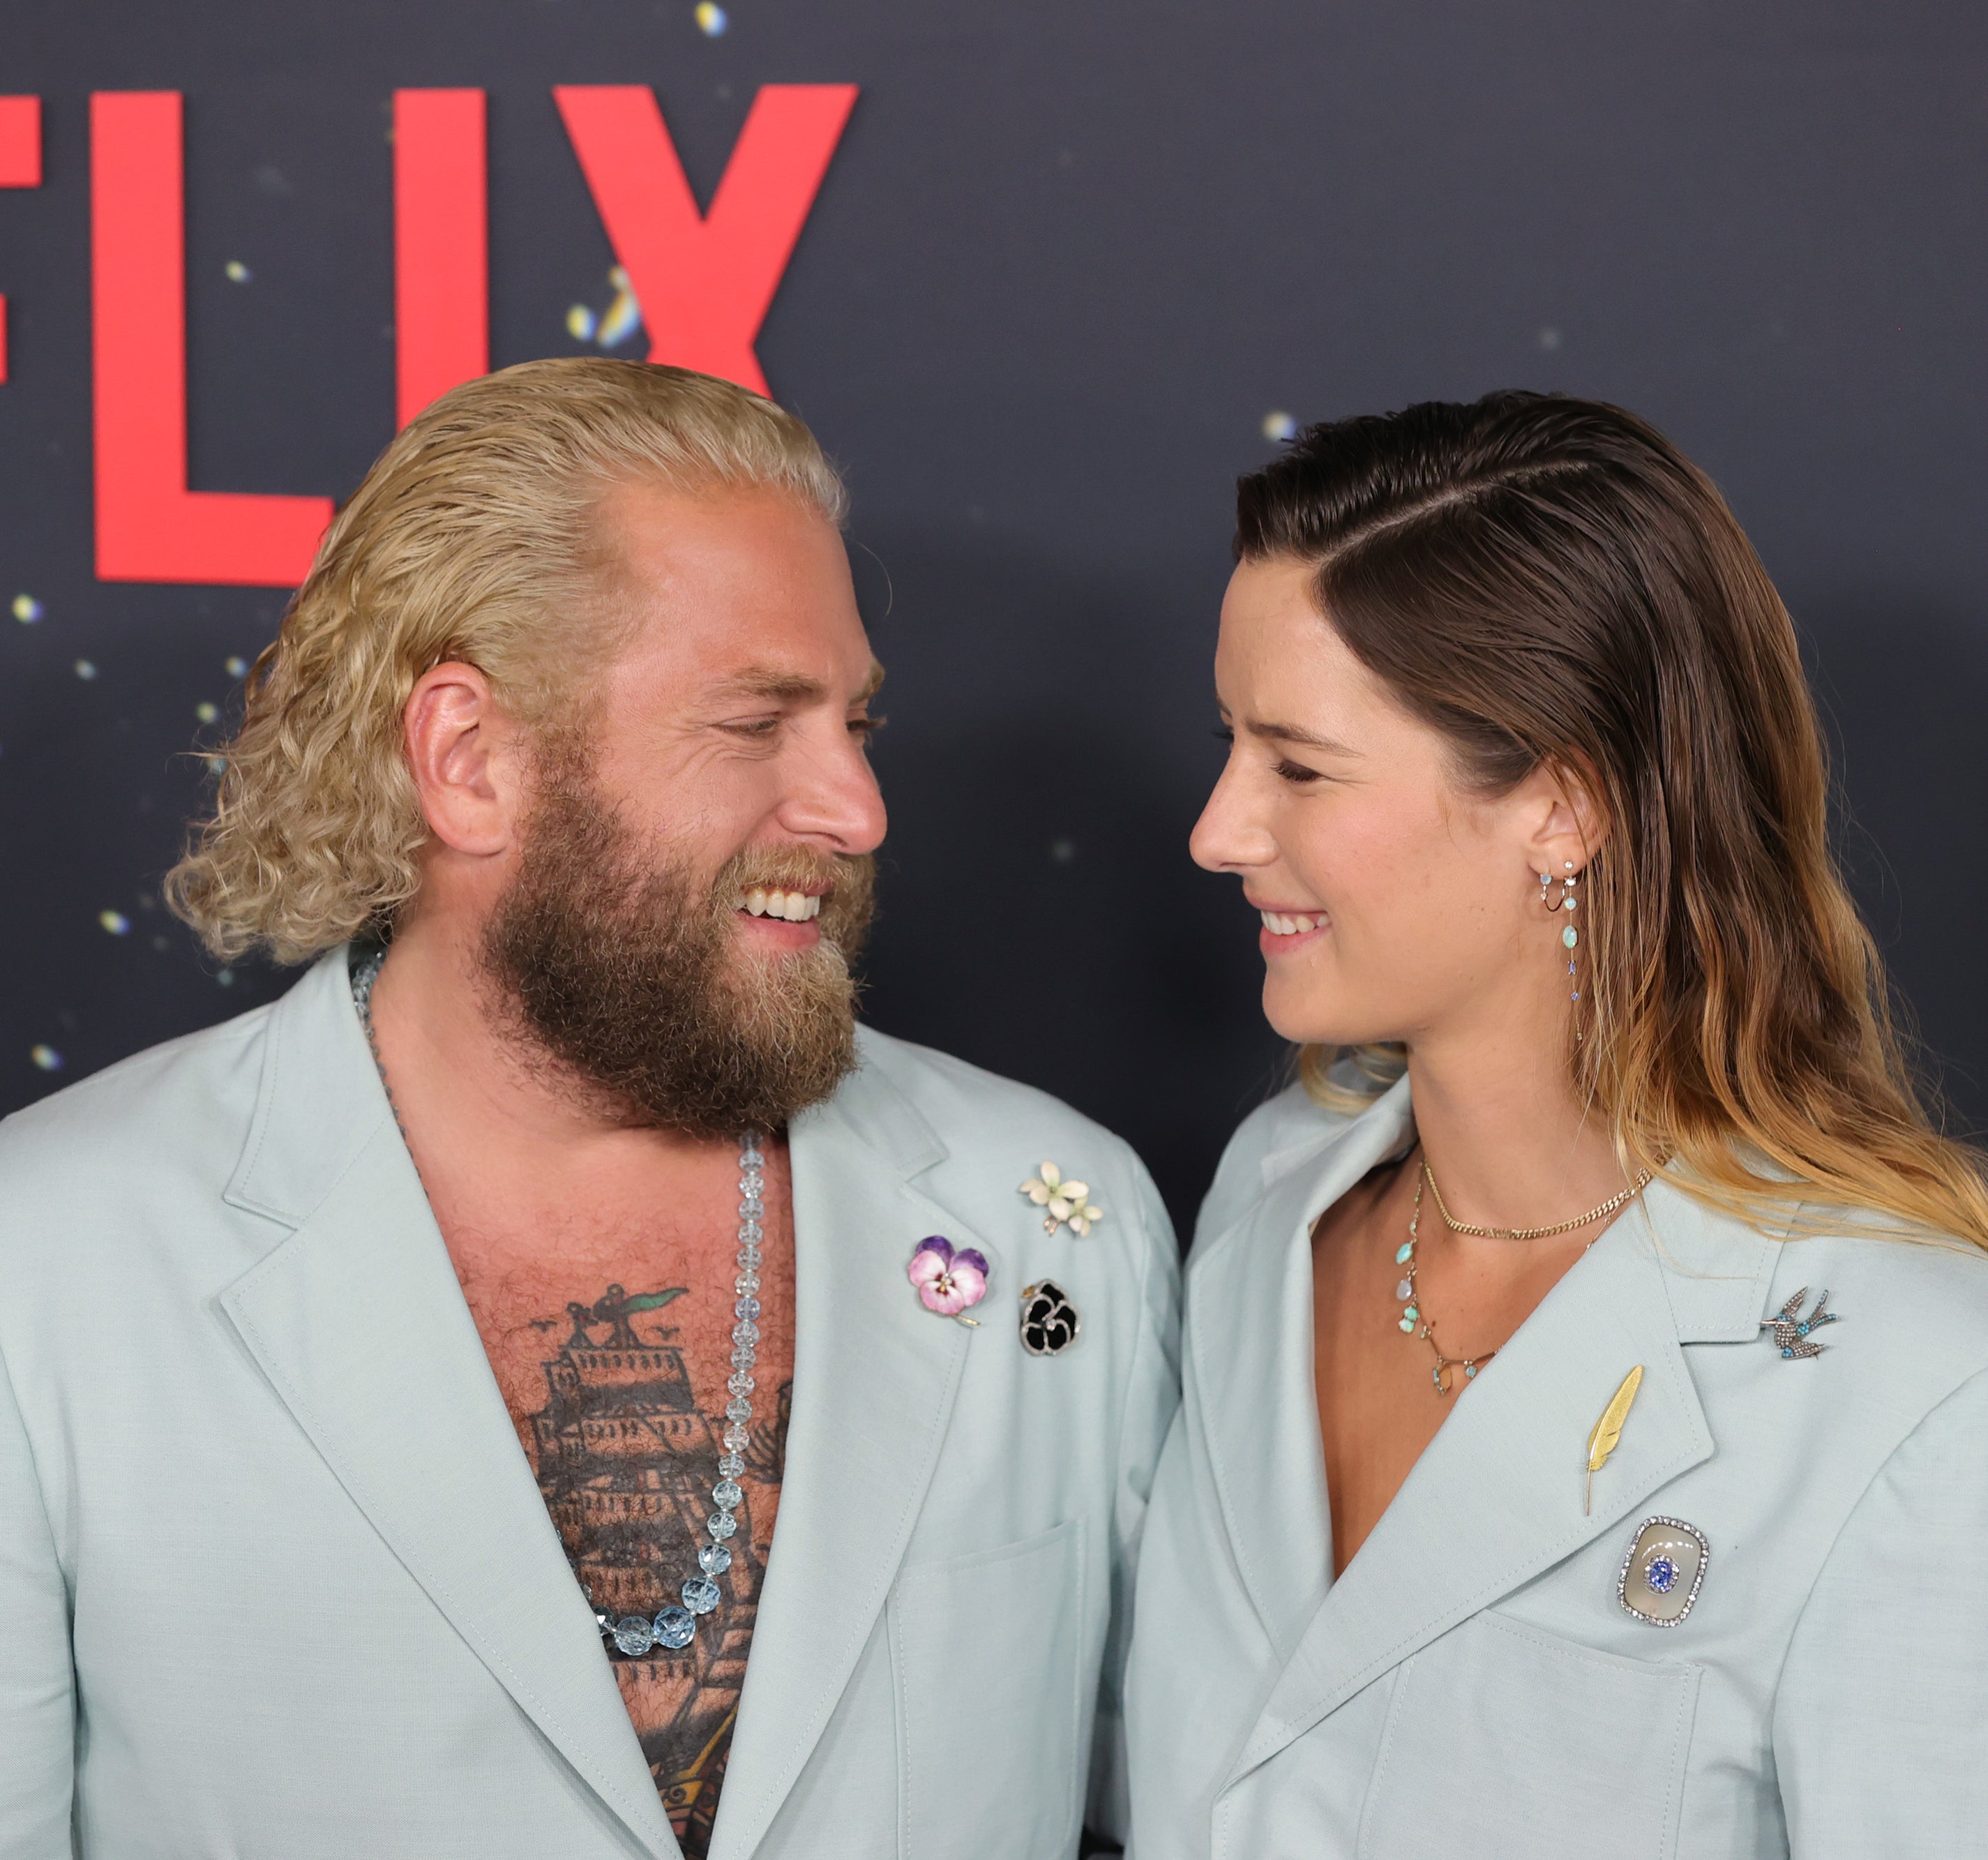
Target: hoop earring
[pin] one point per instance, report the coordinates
(1566, 901)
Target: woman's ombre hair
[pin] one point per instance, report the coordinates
(1547, 581)
(475, 538)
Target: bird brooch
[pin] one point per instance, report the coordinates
(1792, 1331)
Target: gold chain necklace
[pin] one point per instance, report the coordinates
(1415, 1322)
(1531, 1233)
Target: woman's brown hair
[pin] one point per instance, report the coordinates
(1548, 581)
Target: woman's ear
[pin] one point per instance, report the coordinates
(463, 753)
(1569, 822)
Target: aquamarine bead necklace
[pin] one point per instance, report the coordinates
(1415, 1322)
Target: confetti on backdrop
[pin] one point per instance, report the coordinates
(1278, 427)
(28, 609)
(612, 327)
(115, 921)
(711, 19)
(85, 670)
(207, 713)
(1550, 338)
(46, 1057)
(237, 272)
(236, 668)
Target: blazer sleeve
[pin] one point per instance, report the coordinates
(37, 1675)
(1152, 1394)
(1879, 1715)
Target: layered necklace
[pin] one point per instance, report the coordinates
(674, 1626)
(1416, 1322)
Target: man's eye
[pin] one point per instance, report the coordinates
(753, 727)
(866, 726)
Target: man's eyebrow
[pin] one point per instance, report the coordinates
(781, 687)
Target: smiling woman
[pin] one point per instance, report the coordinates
(1598, 1089)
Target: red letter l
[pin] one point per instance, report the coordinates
(149, 527)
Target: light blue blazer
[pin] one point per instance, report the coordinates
(276, 1582)
(1472, 1686)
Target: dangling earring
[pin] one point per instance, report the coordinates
(1566, 901)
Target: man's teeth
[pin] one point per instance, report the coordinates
(795, 907)
(1281, 923)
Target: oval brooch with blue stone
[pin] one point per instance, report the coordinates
(1050, 1322)
(1663, 1572)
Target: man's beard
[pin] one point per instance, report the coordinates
(628, 974)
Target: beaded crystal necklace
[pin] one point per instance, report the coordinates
(675, 1626)
(1415, 1321)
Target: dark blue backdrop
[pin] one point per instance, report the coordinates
(1068, 258)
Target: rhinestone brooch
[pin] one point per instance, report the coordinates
(1664, 1570)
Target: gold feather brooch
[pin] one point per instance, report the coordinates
(1608, 1430)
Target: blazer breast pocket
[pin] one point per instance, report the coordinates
(992, 1723)
(1502, 1739)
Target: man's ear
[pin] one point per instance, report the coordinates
(1569, 821)
(465, 754)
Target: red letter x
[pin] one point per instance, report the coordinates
(704, 280)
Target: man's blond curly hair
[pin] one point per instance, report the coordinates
(473, 538)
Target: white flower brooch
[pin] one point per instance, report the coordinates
(1062, 1200)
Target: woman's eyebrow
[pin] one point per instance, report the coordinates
(1304, 738)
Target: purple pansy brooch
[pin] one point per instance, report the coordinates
(948, 1283)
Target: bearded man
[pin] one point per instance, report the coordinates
(551, 1385)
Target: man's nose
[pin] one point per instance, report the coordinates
(835, 797)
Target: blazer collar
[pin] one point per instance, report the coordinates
(1247, 1364)
(318, 1101)
(875, 1379)
(357, 1320)
(1497, 1497)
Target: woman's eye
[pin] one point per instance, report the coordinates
(1225, 734)
(1296, 772)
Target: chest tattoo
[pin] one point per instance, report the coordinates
(627, 1458)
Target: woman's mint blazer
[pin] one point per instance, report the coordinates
(1473, 1684)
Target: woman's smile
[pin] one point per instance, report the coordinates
(1288, 928)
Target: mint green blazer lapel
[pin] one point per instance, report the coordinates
(1248, 1365)
(358, 1324)
(875, 1379)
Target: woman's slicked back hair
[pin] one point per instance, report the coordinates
(1549, 581)
(475, 538)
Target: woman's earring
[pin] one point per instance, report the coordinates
(1566, 901)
